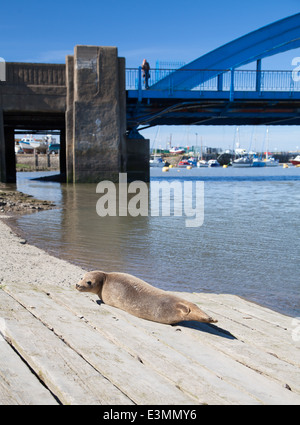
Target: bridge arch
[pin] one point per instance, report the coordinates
(278, 37)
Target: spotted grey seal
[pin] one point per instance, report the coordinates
(140, 299)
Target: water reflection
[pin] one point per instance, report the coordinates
(248, 244)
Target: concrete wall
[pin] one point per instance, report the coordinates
(32, 97)
(40, 161)
(34, 88)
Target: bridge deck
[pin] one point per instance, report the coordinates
(215, 95)
(239, 97)
(65, 347)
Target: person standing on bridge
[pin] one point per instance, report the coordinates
(146, 72)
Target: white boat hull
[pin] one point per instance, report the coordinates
(156, 164)
(272, 164)
(26, 146)
(202, 164)
(241, 165)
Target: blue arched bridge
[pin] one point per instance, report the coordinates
(213, 90)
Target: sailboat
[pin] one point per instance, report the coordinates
(156, 161)
(242, 158)
(155, 158)
(243, 161)
(270, 161)
(201, 162)
(258, 162)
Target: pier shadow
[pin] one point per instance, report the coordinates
(207, 328)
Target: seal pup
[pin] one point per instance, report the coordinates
(140, 299)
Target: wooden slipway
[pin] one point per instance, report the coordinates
(62, 346)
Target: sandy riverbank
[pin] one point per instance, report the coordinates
(90, 353)
(22, 263)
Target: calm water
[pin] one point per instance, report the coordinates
(248, 245)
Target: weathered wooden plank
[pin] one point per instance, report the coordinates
(247, 327)
(253, 349)
(251, 381)
(190, 346)
(18, 385)
(68, 376)
(206, 360)
(243, 305)
(140, 383)
(247, 380)
(192, 378)
(249, 355)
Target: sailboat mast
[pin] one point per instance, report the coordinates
(267, 145)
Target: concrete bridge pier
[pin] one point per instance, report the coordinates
(7, 149)
(96, 144)
(136, 157)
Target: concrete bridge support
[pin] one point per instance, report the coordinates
(96, 114)
(137, 155)
(7, 153)
(96, 144)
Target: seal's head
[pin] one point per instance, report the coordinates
(91, 282)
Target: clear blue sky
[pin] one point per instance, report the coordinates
(46, 31)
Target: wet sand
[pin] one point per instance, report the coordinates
(22, 263)
(13, 202)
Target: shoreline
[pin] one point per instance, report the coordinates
(14, 202)
(86, 352)
(44, 257)
(27, 204)
(23, 263)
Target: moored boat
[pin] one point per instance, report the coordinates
(258, 162)
(156, 162)
(25, 145)
(295, 161)
(177, 150)
(243, 161)
(183, 163)
(202, 163)
(271, 162)
(213, 163)
(28, 144)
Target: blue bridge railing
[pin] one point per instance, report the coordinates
(207, 80)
